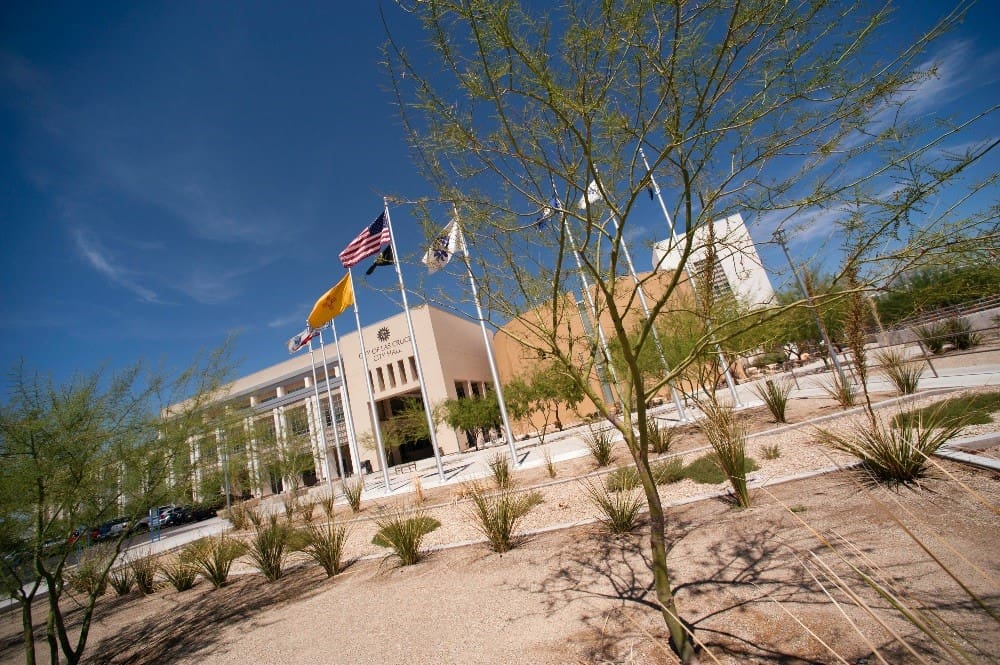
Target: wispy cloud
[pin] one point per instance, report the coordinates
(100, 259)
(287, 320)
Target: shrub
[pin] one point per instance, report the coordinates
(959, 333)
(904, 374)
(841, 389)
(932, 336)
(601, 443)
(772, 452)
(706, 470)
(352, 492)
(121, 580)
(775, 395)
(269, 545)
(402, 534)
(660, 438)
(214, 557)
(418, 489)
(306, 509)
(325, 545)
(619, 510)
(143, 572)
(967, 410)
(180, 572)
(500, 466)
(329, 505)
(239, 516)
(290, 502)
(497, 515)
(622, 479)
(88, 576)
(549, 464)
(667, 471)
(896, 455)
(727, 432)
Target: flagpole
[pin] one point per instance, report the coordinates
(593, 309)
(486, 342)
(413, 343)
(691, 281)
(319, 419)
(371, 397)
(329, 400)
(645, 308)
(352, 440)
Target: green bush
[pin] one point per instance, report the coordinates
(619, 510)
(772, 452)
(706, 470)
(932, 336)
(896, 455)
(972, 409)
(269, 545)
(500, 467)
(600, 443)
(88, 576)
(403, 534)
(214, 556)
(959, 333)
(325, 545)
(498, 514)
(622, 479)
(668, 471)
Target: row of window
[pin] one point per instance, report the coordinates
(393, 374)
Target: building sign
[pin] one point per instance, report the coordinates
(387, 346)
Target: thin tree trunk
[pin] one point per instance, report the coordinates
(29, 633)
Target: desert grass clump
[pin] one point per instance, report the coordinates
(775, 395)
(144, 569)
(601, 443)
(972, 409)
(500, 468)
(727, 433)
(550, 466)
(841, 389)
(180, 571)
(932, 336)
(660, 438)
(306, 509)
(772, 451)
(329, 505)
(619, 510)
(352, 492)
(959, 333)
(325, 545)
(88, 577)
(498, 514)
(121, 580)
(418, 490)
(667, 471)
(269, 545)
(290, 503)
(622, 479)
(239, 516)
(214, 556)
(403, 534)
(904, 374)
(895, 455)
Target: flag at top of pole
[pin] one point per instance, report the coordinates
(332, 303)
(448, 242)
(592, 195)
(368, 242)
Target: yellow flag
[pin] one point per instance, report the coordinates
(332, 303)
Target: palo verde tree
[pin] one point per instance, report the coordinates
(71, 456)
(545, 127)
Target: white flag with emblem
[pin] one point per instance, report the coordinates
(448, 242)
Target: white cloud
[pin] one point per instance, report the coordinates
(100, 260)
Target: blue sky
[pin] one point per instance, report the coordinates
(174, 172)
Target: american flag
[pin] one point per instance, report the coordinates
(368, 242)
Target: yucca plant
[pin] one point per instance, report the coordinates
(895, 455)
(841, 389)
(180, 571)
(622, 479)
(290, 503)
(550, 466)
(775, 395)
(403, 533)
(601, 443)
(904, 374)
(500, 467)
(619, 510)
(329, 505)
(498, 514)
(959, 333)
(660, 438)
(88, 578)
(772, 451)
(121, 580)
(727, 433)
(214, 557)
(269, 546)
(932, 336)
(352, 492)
(239, 517)
(306, 509)
(325, 545)
(143, 572)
